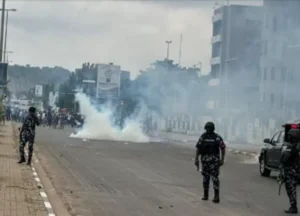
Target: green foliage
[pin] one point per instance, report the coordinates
(23, 78)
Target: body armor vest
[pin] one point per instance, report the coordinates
(210, 145)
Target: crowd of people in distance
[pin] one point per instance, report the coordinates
(57, 119)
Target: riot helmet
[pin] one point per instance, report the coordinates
(209, 126)
(32, 110)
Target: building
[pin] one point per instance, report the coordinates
(280, 58)
(235, 70)
(87, 79)
(125, 84)
(236, 35)
(236, 47)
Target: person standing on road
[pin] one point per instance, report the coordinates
(290, 166)
(209, 146)
(27, 134)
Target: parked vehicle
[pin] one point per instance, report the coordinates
(269, 158)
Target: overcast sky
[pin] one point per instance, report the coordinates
(129, 33)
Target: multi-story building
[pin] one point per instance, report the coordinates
(280, 58)
(236, 34)
(236, 51)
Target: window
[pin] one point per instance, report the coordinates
(281, 138)
(283, 73)
(274, 24)
(265, 47)
(281, 100)
(272, 99)
(108, 80)
(273, 73)
(274, 47)
(266, 20)
(265, 73)
(275, 138)
(284, 48)
(264, 97)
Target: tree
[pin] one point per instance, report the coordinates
(23, 78)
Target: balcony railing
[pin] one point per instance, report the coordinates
(216, 38)
(217, 17)
(215, 60)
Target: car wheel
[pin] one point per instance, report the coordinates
(262, 168)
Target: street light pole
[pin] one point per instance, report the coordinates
(5, 42)
(168, 47)
(2, 30)
(5, 54)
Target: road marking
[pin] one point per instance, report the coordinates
(34, 173)
(48, 205)
(37, 179)
(43, 194)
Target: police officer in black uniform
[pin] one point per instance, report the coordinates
(290, 168)
(209, 146)
(27, 134)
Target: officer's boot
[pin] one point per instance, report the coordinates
(217, 196)
(205, 196)
(22, 160)
(29, 160)
(292, 210)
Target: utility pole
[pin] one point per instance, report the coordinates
(2, 30)
(180, 49)
(5, 36)
(5, 42)
(168, 47)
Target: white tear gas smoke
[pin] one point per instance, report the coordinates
(98, 124)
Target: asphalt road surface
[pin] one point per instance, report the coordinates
(107, 178)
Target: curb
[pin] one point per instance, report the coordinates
(43, 194)
(252, 153)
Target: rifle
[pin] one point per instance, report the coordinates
(280, 180)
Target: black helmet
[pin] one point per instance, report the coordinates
(32, 109)
(294, 134)
(209, 126)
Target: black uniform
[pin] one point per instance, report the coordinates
(290, 167)
(27, 134)
(209, 146)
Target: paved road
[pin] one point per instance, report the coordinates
(106, 178)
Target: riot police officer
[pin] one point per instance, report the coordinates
(27, 134)
(209, 146)
(290, 167)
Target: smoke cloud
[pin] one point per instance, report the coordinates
(99, 125)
